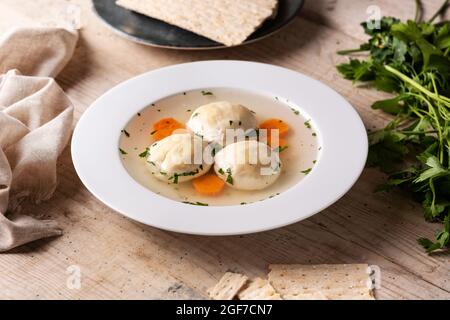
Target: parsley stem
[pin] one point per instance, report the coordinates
(439, 12)
(419, 87)
(419, 12)
(344, 52)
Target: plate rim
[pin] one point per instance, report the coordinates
(141, 41)
(199, 211)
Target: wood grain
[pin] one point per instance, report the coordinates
(120, 258)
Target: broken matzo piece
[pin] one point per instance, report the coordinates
(228, 286)
(258, 289)
(322, 282)
(229, 22)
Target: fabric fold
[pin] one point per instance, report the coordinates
(35, 126)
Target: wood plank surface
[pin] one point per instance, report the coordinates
(119, 258)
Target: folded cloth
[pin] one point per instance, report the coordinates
(35, 125)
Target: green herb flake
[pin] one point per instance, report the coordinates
(207, 93)
(296, 112)
(307, 171)
(197, 203)
(221, 171)
(281, 149)
(183, 174)
(145, 153)
(126, 133)
(308, 124)
(122, 151)
(229, 176)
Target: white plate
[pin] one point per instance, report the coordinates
(97, 160)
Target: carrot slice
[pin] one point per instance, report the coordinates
(164, 122)
(165, 127)
(208, 185)
(275, 124)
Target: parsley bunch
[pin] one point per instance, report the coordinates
(411, 60)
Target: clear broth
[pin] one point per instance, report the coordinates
(298, 159)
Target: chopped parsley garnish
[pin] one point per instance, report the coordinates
(152, 163)
(231, 122)
(195, 115)
(243, 203)
(188, 110)
(163, 173)
(229, 176)
(274, 195)
(197, 203)
(221, 171)
(184, 174)
(281, 148)
(314, 134)
(216, 148)
(296, 112)
(308, 124)
(314, 162)
(145, 153)
(307, 171)
(126, 133)
(122, 151)
(207, 93)
(252, 111)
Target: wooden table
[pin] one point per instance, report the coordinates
(119, 258)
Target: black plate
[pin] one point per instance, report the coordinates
(143, 29)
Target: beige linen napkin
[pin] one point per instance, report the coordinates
(35, 125)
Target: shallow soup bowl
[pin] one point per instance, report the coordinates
(341, 138)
